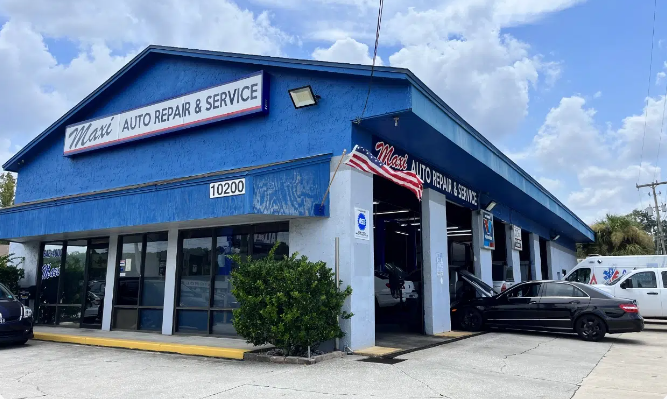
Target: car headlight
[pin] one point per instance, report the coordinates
(27, 312)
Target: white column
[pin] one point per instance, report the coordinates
(513, 257)
(436, 266)
(170, 283)
(110, 282)
(483, 259)
(315, 238)
(535, 258)
(26, 257)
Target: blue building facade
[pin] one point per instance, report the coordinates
(126, 206)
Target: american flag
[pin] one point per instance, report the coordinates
(362, 159)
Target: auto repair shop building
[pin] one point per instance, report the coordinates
(127, 206)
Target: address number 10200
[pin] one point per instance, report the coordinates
(227, 188)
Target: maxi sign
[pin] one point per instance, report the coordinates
(401, 160)
(244, 96)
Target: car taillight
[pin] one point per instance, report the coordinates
(388, 285)
(629, 308)
(503, 288)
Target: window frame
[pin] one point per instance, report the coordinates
(655, 278)
(250, 230)
(546, 285)
(139, 306)
(521, 285)
(663, 275)
(63, 258)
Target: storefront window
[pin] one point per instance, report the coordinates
(204, 262)
(71, 282)
(141, 270)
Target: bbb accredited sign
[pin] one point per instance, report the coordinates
(361, 224)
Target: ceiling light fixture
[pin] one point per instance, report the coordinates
(452, 228)
(391, 212)
(490, 206)
(303, 97)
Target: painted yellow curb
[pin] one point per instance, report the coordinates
(210, 351)
(376, 351)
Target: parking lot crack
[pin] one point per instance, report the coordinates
(592, 369)
(423, 383)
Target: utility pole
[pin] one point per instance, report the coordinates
(657, 210)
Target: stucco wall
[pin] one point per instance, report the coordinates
(285, 133)
(315, 238)
(560, 258)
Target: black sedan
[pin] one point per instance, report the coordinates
(15, 319)
(547, 306)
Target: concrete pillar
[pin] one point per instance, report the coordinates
(436, 265)
(110, 282)
(315, 238)
(170, 283)
(513, 256)
(535, 258)
(483, 259)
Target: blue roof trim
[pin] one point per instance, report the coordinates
(351, 69)
(333, 67)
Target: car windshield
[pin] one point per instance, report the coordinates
(614, 281)
(4, 293)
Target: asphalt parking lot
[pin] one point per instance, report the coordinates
(494, 365)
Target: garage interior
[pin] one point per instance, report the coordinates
(399, 318)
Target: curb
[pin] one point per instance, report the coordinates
(208, 351)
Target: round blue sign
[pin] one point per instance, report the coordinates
(361, 221)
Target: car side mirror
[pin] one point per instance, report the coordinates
(624, 284)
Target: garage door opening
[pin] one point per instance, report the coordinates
(459, 248)
(398, 259)
(524, 257)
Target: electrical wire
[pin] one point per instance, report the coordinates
(648, 92)
(375, 53)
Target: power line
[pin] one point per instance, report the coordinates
(648, 93)
(375, 53)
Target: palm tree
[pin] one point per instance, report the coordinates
(619, 235)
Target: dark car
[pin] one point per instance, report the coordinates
(15, 319)
(547, 306)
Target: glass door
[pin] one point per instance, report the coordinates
(96, 277)
(71, 283)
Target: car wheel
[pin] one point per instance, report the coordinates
(590, 328)
(471, 320)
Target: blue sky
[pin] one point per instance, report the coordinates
(559, 85)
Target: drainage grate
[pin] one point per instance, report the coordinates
(382, 360)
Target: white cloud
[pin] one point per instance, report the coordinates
(460, 52)
(347, 50)
(659, 77)
(42, 89)
(590, 164)
(597, 94)
(552, 185)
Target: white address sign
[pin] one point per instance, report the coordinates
(227, 188)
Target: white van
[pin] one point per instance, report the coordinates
(648, 287)
(601, 269)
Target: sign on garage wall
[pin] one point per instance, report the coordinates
(398, 159)
(229, 100)
(361, 224)
(516, 238)
(488, 239)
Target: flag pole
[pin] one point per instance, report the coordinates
(333, 177)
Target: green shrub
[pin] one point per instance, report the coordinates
(10, 274)
(288, 302)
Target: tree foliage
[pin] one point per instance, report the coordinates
(291, 303)
(10, 275)
(7, 189)
(619, 235)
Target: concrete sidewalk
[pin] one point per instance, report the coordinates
(635, 367)
(228, 348)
